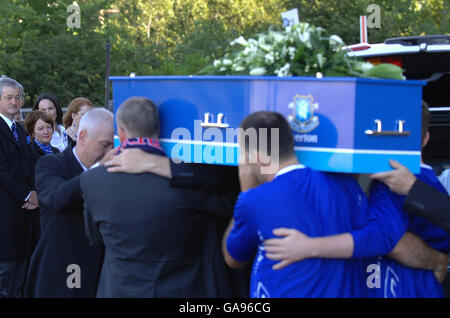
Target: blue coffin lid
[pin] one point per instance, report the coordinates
(269, 78)
(359, 156)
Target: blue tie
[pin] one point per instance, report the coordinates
(14, 131)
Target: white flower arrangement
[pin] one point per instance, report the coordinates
(298, 50)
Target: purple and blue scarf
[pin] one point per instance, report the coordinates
(148, 145)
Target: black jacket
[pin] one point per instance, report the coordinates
(37, 153)
(63, 241)
(427, 202)
(16, 182)
(159, 241)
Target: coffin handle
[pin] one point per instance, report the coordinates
(217, 124)
(379, 129)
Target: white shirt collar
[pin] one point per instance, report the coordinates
(8, 121)
(289, 169)
(422, 165)
(78, 159)
(95, 165)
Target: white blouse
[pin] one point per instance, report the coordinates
(59, 140)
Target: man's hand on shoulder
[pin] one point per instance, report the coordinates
(136, 161)
(441, 267)
(291, 246)
(400, 180)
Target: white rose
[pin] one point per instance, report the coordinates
(227, 62)
(304, 37)
(278, 37)
(366, 66)
(291, 51)
(269, 58)
(335, 40)
(266, 47)
(240, 40)
(284, 71)
(258, 71)
(238, 68)
(252, 42)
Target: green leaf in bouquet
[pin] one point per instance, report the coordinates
(337, 72)
(299, 55)
(385, 70)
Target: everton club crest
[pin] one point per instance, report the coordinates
(302, 119)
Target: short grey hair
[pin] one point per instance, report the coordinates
(95, 117)
(9, 82)
(139, 116)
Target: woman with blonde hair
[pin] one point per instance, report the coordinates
(77, 108)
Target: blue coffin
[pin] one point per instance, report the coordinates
(345, 124)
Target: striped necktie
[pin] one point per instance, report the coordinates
(14, 131)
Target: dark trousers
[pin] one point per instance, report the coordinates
(12, 277)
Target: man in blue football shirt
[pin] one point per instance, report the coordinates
(384, 234)
(292, 196)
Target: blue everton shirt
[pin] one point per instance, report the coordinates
(386, 210)
(315, 203)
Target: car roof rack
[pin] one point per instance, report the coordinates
(417, 40)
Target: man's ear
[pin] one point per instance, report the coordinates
(426, 139)
(122, 134)
(264, 159)
(82, 135)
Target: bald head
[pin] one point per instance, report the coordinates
(94, 118)
(95, 136)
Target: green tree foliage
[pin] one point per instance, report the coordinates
(398, 17)
(169, 36)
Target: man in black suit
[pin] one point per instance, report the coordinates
(63, 263)
(17, 193)
(421, 199)
(153, 234)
